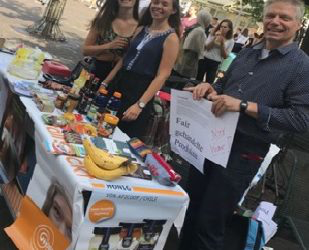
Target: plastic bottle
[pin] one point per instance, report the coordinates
(80, 81)
(102, 100)
(114, 104)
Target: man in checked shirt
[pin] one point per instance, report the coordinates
(269, 85)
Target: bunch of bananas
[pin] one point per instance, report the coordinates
(103, 165)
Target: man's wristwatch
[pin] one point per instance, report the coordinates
(141, 104)
(243, 106)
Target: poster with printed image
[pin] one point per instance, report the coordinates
(12, 138)
(110, 224)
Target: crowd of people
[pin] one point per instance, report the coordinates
(267, 84)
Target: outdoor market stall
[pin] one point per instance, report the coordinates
(131, 212)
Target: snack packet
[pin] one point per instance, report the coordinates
(161, 170)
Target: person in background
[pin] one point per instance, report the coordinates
(146, 66)
(218, 45)
(211, 26)
(241, 40)
(193, 47)
(268, 86)
(110, 33)
(258, 38)
(190, 19)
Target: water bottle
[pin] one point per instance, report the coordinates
(114, 104)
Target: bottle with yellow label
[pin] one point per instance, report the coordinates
(80, 81)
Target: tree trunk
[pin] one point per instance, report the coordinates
(48, 25)
(305, 43)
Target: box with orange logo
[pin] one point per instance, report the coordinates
(33, 230)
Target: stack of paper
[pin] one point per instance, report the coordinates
(264, 213)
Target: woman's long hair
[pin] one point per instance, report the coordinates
(173, 20)
(107, 14)
(229, 34)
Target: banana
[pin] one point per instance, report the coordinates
(104, 159)
(107, 175)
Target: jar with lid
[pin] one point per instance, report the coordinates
(60, 101)
(107, 125)
(92, 113)
(71, 103)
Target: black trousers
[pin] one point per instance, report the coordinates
(209, 67)
(215, 194)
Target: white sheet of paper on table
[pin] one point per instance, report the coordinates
(192, 123)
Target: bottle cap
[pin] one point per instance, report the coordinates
(117, 95)
(103, 91)
(111, 119)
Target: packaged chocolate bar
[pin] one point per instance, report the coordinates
(72, 137)
(139, 148)
(53, 120)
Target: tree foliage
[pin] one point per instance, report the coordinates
(255, 7)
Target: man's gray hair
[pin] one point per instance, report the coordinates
(299, 4)
(203, 18)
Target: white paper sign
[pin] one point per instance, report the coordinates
(197, 134)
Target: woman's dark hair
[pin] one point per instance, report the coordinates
(229, 34)
(108, 13)
(173, 20)
(245, 32)
(54, 189)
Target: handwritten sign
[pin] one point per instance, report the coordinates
(197, 134)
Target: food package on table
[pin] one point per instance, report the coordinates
(139, 148)
(59, 148)
(53, 120)
(70, 117)
(44, 103)
(161, 170)
(103, 165)
(55, 68)
(27, 63)
(72, 137)
(84, 128)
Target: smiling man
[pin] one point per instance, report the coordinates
(269, 85)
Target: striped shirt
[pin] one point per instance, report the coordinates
(278, 82)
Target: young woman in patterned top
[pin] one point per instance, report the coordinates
(147, 64)
(110, 33)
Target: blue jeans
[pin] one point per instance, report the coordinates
(214, 195)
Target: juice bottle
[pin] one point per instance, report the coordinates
(114, 104)
(102, 100)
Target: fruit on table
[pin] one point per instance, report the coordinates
(104, 159)
(108, 175)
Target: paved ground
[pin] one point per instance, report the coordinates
(17, 15)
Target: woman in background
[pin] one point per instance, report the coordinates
(146, 66)
(109, 35)
(218, 46)
(241, 40)
(190, 19)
